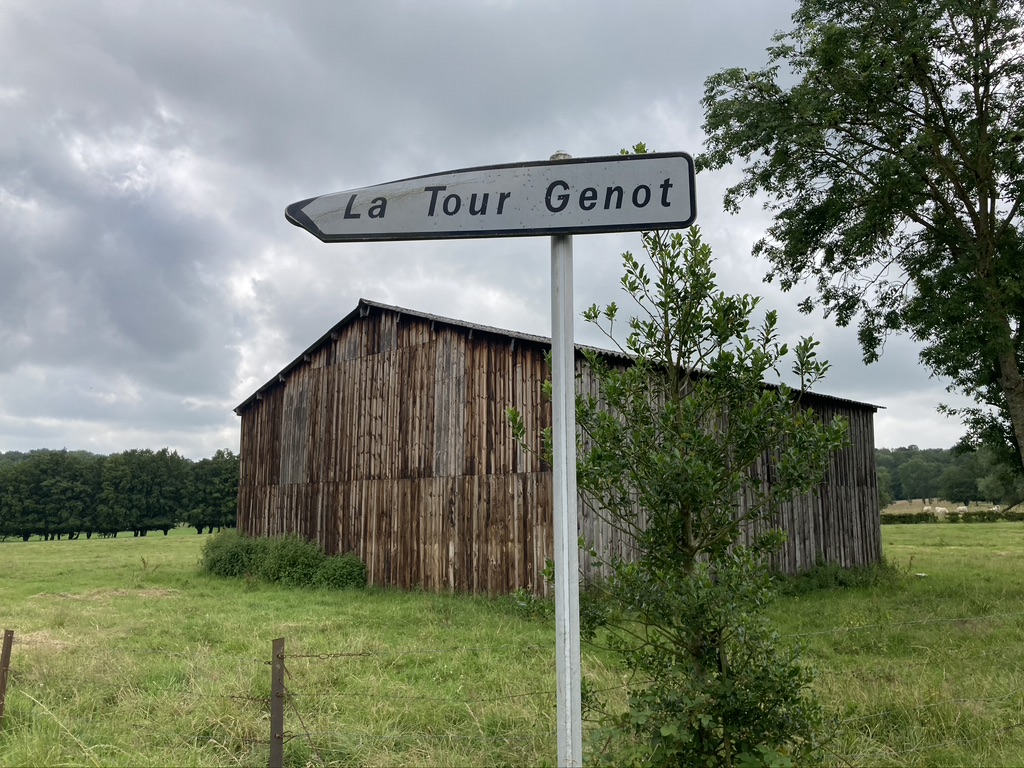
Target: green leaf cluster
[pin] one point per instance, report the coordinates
(886, 139)
(689, 443)
(712, 682)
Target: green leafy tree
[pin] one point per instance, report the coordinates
(213, 492)
(115, 513)
(887, 469)
(919, 478)
(89, 482)
(1000, 484)
(143, 491)
(125, 488)
(959, 481)
(885, 485)
(12, 457)
(669, 447)
(6, 515)
(62, 498)
(50, 494)
(22, 515)
(887, 139)
(169, 496)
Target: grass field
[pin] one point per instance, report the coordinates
(126, 656)
(927, 670)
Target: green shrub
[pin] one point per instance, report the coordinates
(987, 516)
(292, 561)
(721, 688)
(288, 560)
(340, 572)
(892, 518)
(231, 554)
(973, 516)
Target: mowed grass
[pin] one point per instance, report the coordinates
(127, 656)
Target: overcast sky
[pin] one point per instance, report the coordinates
(149, 281)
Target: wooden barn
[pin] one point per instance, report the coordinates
(388, 438)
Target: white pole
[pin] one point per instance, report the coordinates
(563, 433)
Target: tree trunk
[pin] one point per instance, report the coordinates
(1012, 384)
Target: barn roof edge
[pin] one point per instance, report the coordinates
(363, 305)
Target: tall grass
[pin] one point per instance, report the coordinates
(127, 655)
(923, 669)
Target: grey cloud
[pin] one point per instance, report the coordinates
(147, 274)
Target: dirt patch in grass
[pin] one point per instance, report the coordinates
(41, 639)
(104, 594)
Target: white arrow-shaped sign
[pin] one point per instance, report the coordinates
(619, 193)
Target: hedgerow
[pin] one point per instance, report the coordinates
(288, 560)
(978, 516)
(987, 516)
(908, 518)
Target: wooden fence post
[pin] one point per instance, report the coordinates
(277, 694)
(5, 665)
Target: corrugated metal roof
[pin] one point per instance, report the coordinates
(365, 305)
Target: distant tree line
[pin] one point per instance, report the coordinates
(961, 476)
(55, 494)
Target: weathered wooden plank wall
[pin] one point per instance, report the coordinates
(393, 443)
(390, 440)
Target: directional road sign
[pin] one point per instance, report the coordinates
(619, 193)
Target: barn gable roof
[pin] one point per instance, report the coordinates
(365, 306)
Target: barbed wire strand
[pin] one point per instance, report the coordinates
(53, 708)
(64, 721)
(406, 697)
(504, 647)
(179, 654)
(199, 653)
(326, 656)
(260, 699)
(155, 693)
(447, 736)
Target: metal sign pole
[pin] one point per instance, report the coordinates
(563, 433)
(560, 197)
